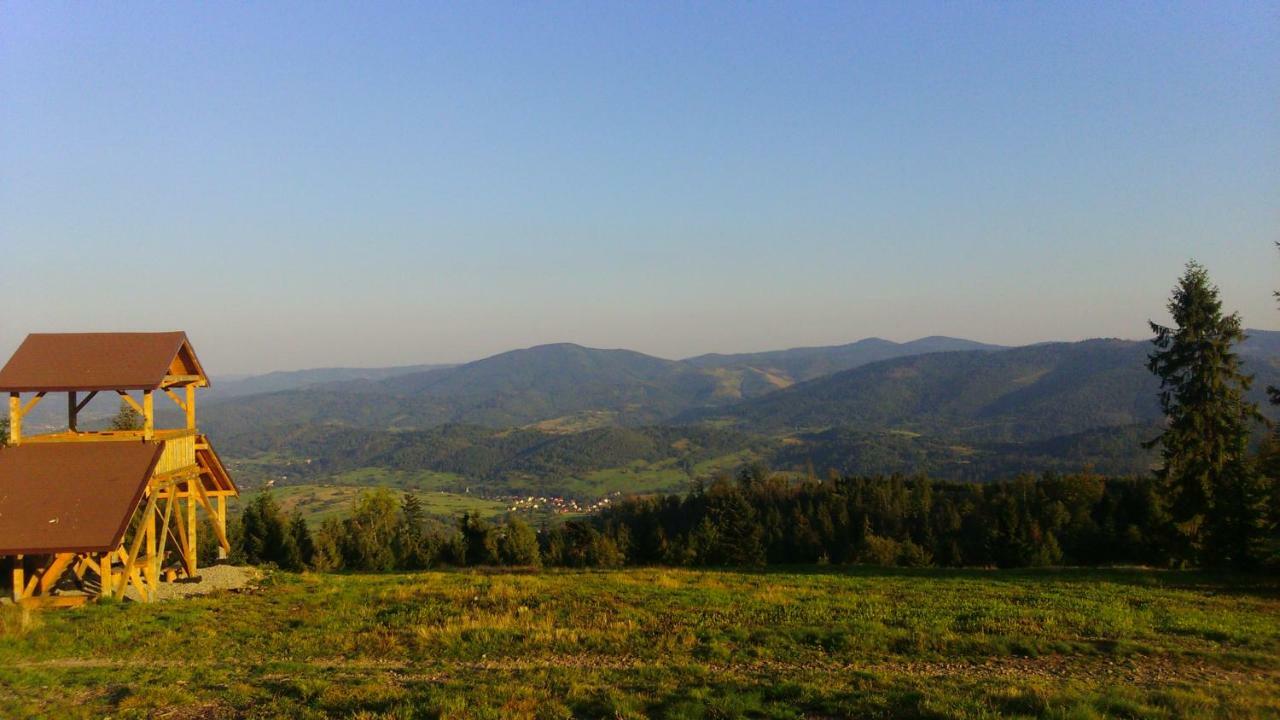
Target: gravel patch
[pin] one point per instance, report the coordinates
(211, 579)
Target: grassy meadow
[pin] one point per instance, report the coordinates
(321, 501)
(809, 643)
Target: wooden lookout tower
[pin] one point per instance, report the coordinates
(87, 514)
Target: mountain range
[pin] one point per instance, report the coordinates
(973, 389)
(951, 407)
(559, 385)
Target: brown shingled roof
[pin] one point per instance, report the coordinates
(59, 362)
(213, 474)
(71, 497)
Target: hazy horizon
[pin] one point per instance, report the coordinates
(313, 185)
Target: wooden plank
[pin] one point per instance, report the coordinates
(71, 411)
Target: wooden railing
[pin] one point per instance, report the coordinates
(179, 452)
(179, 445)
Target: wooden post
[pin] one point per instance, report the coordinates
(221, 503)
(191, 407)
(148, 415)
(152, 566)
(192, 545)
(104, 566)
(15, 418)
(164, 539)
(19, 582)
(71, 411)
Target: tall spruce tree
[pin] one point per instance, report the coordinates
(1211, 487)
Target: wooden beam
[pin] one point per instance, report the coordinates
(131, 576)
(31, 405)
(182, 541)
(221, 525)
(104, 567)
(71, 410)
(129, 399)
(131, 557)
(15, 419)
(176, 400)
(55, 601)
(217, 516)
(148, 415)
(193, 543)
(35, 579)
(51, 574)
(190, 407)
(106, 436)
(18, 584)
(172, 380)
(152, 568)
(158, 556)
(86, 400)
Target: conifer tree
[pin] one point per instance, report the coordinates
(410, 538)
(481, 542)
(304, 547)
(1211, 487)
(126, 418)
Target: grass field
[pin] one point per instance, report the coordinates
(638, 477)
(665, 643)
(318, 502)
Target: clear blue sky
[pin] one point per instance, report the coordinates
(371, 184)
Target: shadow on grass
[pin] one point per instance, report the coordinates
(1226, 583)
(1245, 584)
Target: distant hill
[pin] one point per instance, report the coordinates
(511, 389)
(806, 363)
(658, 458)
(498, 461)
(547, 384)
(581, 421)
(1023, 394)
(241, 386)
(1112, 450)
